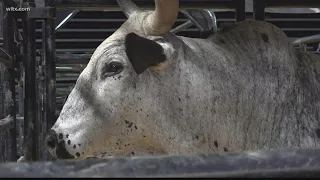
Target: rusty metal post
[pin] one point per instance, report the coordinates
(10, 48)
(47, 87)
(30, 104)
(51, 65)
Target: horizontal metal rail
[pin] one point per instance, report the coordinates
(292, 3)
(259, 6)
(307, 40)
(291, 163)
(73, 58)
(144, 4)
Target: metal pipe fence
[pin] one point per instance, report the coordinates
(35, 80)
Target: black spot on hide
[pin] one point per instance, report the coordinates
(216, 144)
(132, 153)
(67, 135)
(135, 127)
(142, 52)
(265, 37)
(222, 41)
(197, 137)
(77, 154)
(128, 123)
(79, 145)
(318, 133)
(225, 149)
(69, 142)
(74, 146)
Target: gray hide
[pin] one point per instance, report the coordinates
(245, 88)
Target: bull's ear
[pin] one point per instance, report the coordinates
(143, 53)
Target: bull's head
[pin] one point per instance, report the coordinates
(109, 107)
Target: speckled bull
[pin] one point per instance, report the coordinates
(147, 91)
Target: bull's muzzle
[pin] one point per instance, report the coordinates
(56, 147)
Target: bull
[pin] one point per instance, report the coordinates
(146, 91)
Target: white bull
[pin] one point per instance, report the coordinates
(148, 91)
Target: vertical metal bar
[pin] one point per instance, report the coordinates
(42, 96)
(258, 10)
(30, 114)
(240, 6)
(9, 47)
(3, 113)
(49, 75)
(51, 69)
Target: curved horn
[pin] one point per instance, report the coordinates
(128, 7)
(163, 18)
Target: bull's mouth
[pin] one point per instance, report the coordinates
(103, 155)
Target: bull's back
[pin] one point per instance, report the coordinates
(258, 99)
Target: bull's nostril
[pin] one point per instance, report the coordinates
(51, 142)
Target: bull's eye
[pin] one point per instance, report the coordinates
(112, 69)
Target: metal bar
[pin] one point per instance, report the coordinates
(213, 19)
(292, 3)
(69, 85)
(291, 163)
(50, 75)
(259, 9)
(144, 4)
(240, 6)
(308, 39)
(41, 95)
(73, 59)
(9, 47)
(66, 19)
(30, 105)
(182, 27)
(6, 123)
(3, 156)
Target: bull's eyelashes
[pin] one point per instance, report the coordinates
(142, 52)
(111, 69)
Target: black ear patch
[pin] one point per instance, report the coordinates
(142, 52)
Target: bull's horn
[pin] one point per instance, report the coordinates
(128, 7)
(163, 18)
